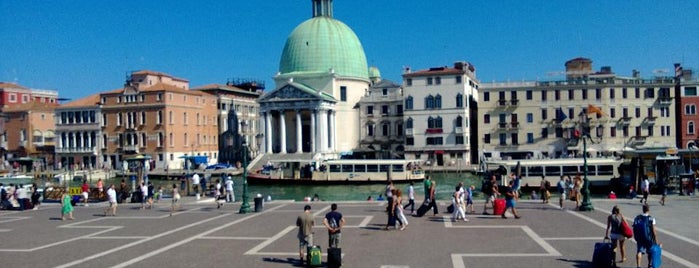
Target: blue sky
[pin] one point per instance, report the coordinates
(83, 47)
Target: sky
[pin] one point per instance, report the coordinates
(84, 47)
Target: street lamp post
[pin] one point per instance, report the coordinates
(586, 205)
(245, 207)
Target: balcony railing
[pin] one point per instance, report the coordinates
(502, 102)
(408, 131)
(514, 102)
(459, 130)
(665, 100)
(74, 150)
(650, 120)
(514, 124)
(502, 125)
(130, 148)
(626, 120)
(433, 131)
(638, 140)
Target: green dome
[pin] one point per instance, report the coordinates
(323, 43)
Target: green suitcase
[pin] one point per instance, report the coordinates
(314, 257)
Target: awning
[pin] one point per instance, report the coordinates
(197, 159)
(139, 157)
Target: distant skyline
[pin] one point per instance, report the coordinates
(84, 47)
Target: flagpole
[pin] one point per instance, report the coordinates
(586, 205)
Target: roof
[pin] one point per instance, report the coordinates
(156, 87)
(435, 71)
(149, 72)
(321, 44)
(385, 83)
(11, 85)
(30, 106)
(226, 88)
(91, 100)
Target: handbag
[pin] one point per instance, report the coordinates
(626, 230)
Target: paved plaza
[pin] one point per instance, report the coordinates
(202, 236)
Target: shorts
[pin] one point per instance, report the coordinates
(85, 195)
(619, 237)
(175, 199)
(562, 197)
(305, 241)
(641, 248)
(510, 203)
(469, 201)
(112, 204)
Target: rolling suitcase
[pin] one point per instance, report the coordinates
(499, 206)
(450, 208)
(423, 209)
(603, 255)
(655, 253)
(334, 257)
(314, 258)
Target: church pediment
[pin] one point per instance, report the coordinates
(294, 92)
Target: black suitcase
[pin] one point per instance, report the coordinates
(334, 257)
(423, 209)
(450, 208)
(603, 255)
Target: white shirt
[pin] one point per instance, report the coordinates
(195, 179)
(229, 185)
(144, 190)
(646, 185)
(111, 194)
(411, 192)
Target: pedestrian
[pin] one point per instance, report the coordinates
(35, 197)
(391, 213)
(411, 199)
(230, 197)
(649, 238)
(151, 192)
(577, 186)
(433, 196)
(218, 194)
(544, 190)
(144, 195)
(334, 221)
(516, 184)
(305, 234)
(400, 216)
(490, 189)
(427, 183)
(613, 232)
(456, 202)
(203, 183)
(66, 207)
(100, 186)
(469, 199)
(662, 187)
(511, 200)
(561, 187)
(175, 199)
(389, 192)
(123, 191)
(195, 185)
(85, 188)
(112, 198)
(645, 189)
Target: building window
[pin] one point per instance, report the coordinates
(690, 128)
(544, 133)
(584, 93)
(409, 123)
(515, 138)
(543, 95)
(612, 112)
(385, 129)
(503, 139)
(459, 100)
(409, 82)
(459, 139)
(637, 92)
(571, 113)
(434, 122)
(638, 112)
(171, 118)
(529, 94)
(370, 129)
(598, 93)
(143, 118)
(571, 94)
(459, 122)
(118, 119)
(690, 109)
(486, 119)
(409, 103)
(438, 80)
(370, 110)
(688, 91)
(343, 93)
(544, 114)
(159, 119)
(530, 118)
(429, 102)
(486, 96)
(429, 81)
(399, 109)
(186, 120)
(409, 141)
(557, 94)
(434, 141)
(611, 93)
(438, 102)
(612, 132)
(486, 139)
(384, 109)
(457, 79)
(399, 129)
(384, 91)
(172, 141)
(624, 94)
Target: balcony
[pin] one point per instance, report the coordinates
(433, 131)
(514, 124)
(65, 150)
(650, 120)
(22, 143)
(458, 130)
(626, 120)
(130, 148)
(514, 102)
(502, 102)
(502, 125)
(665, 100)
(408, 131)
(638, 140)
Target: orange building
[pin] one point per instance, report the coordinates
(156, 115)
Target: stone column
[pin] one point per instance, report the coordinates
(282, 132)
(268, 132)
(313, 131)
(299, 140)
(75, 142)
(89, 140)
(333, 132)
(323, 122)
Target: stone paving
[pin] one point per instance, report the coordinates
(201, 235)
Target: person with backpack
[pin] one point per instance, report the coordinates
(645, 235)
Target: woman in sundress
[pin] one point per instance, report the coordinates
(66, 207)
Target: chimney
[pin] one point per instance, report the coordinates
(635, 73)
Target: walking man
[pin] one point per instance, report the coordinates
(561, 186)
(645, 188)
(229, 190)
(195, 185)
(647, 238)
(334, 221)
(433, 196)
(305, 234)
(85, 191)
(112, 197)
(511, 200)
(490, 189)
(411, 199)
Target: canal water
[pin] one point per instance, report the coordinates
(445, 187)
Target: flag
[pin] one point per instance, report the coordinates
(594, 109)
(560, 115)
